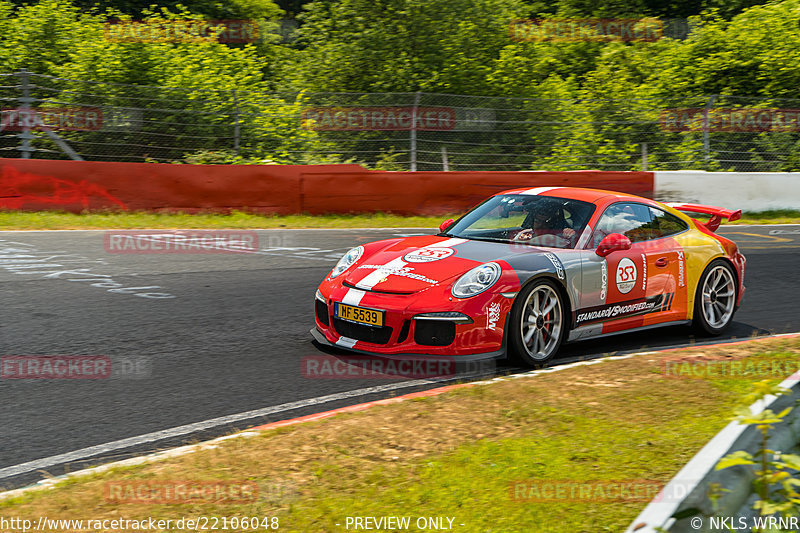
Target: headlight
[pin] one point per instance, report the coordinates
(347, 259)
(476, 280)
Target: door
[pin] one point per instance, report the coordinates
(625, 289)
(669, 262)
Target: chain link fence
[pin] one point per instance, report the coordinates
(54, 118)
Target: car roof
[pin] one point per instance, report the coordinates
(576, 193)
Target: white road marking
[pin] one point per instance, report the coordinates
(93, 451)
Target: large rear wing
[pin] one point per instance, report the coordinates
(717, 213)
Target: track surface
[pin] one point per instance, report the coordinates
(232, 337)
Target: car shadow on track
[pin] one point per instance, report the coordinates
(345, 362)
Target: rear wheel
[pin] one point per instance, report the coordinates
(715, 300)
(538, 324)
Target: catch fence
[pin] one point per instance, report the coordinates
(55, 118)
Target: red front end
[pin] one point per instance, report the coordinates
(416, 318)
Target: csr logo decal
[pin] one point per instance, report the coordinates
(426, 255)
(626, 275)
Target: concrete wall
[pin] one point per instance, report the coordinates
(748, 191)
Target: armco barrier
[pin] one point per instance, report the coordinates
(691, 487)
(37, 184)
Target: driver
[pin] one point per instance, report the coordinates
(547, 219)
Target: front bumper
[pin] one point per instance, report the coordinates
(498, 354)
(404, 333)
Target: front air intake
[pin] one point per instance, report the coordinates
(434, 332)
(322, 312)
(361, 332)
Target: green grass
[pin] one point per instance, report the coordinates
(458, 454)
(16, 220)
(51, 220)
(774, 216)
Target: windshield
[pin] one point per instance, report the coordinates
(525, 219)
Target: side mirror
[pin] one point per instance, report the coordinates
(613, 243)
(446, 224)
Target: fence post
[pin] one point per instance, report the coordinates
(23, 111)
(30, 119)
(644, 156)
(706, 136)
(236, 126)
(414, 132)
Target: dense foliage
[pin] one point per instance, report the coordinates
(437, 46)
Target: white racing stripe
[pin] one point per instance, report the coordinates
(540, 190)
(353, 297)
(346, 342)
(372, 279)
(446, 244)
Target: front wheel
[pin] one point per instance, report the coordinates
(715, 300)
(537, 324)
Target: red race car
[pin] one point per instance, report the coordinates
(530, 269)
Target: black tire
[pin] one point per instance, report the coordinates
(715, 298)
(534, 336)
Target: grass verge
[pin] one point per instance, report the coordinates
(45, 220)
(456, 455)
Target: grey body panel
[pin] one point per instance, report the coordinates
(531, 261)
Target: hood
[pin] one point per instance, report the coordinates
(410, 265)
(417, 263)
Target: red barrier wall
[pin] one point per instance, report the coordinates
(331, 189)
(37, 184)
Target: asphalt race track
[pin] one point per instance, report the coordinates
(203, 336)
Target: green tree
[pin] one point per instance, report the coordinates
(216, 9)
(401, 45)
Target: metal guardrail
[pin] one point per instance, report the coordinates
(694, 482)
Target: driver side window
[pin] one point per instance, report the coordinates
(630, 219)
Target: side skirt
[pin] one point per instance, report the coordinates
(587, 332)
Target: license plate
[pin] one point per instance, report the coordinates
(358, 314)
